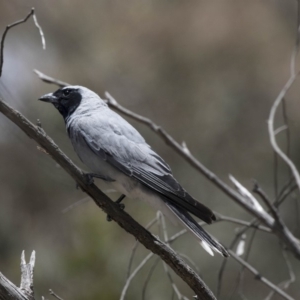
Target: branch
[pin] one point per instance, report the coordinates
(8, 27)
(8, 291)
(54, 295)
(279, 99)
(272, 131)
(259, 277)
(109, 207)
(51, 80)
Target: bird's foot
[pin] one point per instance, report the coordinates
(121, 205)
(90, 178)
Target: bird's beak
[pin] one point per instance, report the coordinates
(49, 98)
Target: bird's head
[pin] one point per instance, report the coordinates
(69, 98)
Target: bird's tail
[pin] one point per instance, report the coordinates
(206, 241)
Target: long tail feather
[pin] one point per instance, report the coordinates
(205, 239)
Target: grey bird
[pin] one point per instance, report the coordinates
(116, 152)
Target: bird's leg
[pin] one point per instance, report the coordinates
(121, 205)
(91, 176)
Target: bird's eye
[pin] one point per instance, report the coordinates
(66, 92)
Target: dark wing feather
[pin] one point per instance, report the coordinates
(189, 222)
(171, 190)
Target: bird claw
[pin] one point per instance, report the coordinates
(91, 177)
(121, 206)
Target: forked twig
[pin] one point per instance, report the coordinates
(54, 295)
(8, 27)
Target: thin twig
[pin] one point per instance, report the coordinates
(8, 27)
(286, 283)
(288, 140)
(259, 191)
(133, 274)
(242, 271)
(283, 191)
(259, 277)
(36, 23)
(279, 99)
(281, 128)
(221, 217)
(54, 295)
(136, 244)
(49, 79)
(225, 261)
(275, 176)
(77, 203)
(147, 280)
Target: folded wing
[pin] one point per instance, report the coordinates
(120, 144)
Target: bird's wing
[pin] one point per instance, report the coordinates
(120, 144)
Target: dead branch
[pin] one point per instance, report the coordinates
(8, 27)
(259, 277)
(9, 291)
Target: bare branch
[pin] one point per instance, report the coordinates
(8, 27)
(259, 191)
(40, 31)
(136, 244)
(247, 195)
(26, 285)
(149, 275)
(49, 79)
(259, 277)
(285, 284)
(54, 295)
(241, 222)
(280, 99)
(133, 274)
(8, 291)
(271, 128)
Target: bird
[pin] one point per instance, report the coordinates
(118, 154)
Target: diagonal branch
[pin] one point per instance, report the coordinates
(109, 207)
(259, 277)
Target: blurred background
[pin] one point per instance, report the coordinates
(207, 72)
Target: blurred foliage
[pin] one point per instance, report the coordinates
(207, 71)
